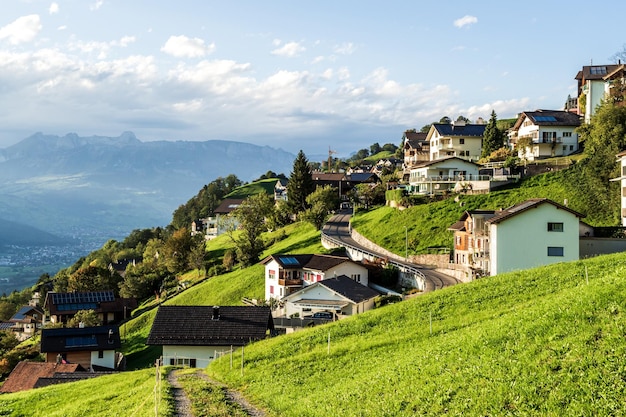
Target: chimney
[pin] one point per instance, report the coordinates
(216, 313)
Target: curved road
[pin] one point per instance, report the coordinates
(338, 227)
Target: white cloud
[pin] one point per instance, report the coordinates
(184, 47)
(62, 27)
(126, 40)
(23, 29)
(97, 5)
(346, 48)
(465, 20)
(317, 59)
(290, 49)
(54, 8)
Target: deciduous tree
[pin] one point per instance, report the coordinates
(251, 215)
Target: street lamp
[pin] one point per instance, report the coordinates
(406, 244)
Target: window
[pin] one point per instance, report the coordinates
(571, 147)
(555, 251)
(100, 354)
(555, 227)
(462, 141)
(271, 289)
(623, 191)
(271, 274)
(567, 134)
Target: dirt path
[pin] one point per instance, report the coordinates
(181, 401)
(235, 397)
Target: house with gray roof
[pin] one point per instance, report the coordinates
(195, 335)
(545, 134)
(460, 139)
(94, 348)
(339, 295)
(594, 85)
(287, 273)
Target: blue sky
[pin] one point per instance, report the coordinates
(292, 75)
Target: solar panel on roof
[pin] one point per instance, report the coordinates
(545, 118)
(90, 297)
(289, 260)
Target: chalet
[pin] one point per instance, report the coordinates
(344, 183)
(195, 335)
(416, 149)
(280, 189)
(340, 295)
(110, 309)
(530, 234)
(545, 133)
(459, 139)
(91, 347)
(594, 85)
(442, 175)
(26, 322)
(286, 274)
(218, 224)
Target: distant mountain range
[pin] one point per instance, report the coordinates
(74, 186)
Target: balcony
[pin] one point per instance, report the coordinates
(451, 178)
(297, 282)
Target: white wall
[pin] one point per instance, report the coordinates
(108, 359)
(202, 354)
(522, 241)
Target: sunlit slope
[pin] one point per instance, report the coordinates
(549, 341)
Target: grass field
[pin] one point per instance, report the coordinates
(245, 191)
(549, 341)
(128, 394)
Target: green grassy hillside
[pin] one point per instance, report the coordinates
(261, 186)
(226, 289)
(427, 224)
(125, 394)
(548, 341)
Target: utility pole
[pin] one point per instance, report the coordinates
(330, 158)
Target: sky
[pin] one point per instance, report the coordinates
(314, 76)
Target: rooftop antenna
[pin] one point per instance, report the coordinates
(330, 157)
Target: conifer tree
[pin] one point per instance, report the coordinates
(493, 139)
(300, 184)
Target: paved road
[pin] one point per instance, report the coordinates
(338, 227)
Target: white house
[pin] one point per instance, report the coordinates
(286, 274)
(222, 220)
(534, 233)
(196, 335)
(432, 177)
(594, 83)
(459, 139)
(340, 295)
(545, 133)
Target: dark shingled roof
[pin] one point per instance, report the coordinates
(25, 313)
(527, 205)
(228, 205)
(548, 118)
(309, 261)
(349, 288)
(195, 325)
(26, 374)
(80, 339)
(447, 129)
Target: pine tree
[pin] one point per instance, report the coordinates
(300, 184)
(493, 139)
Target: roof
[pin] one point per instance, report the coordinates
(362, 177)
(342, 285)
(448, 129)
(548, 118)
(349, 288)
(595, 72)
(440, 160)
(26, 374)
(459, 225)
(99, 301)
(195, 325)
(320, 176)
(6, 325)
(415, 139)
(316, 262)
(25, 314)
(507, 213)
(228, 205)
(80, 339)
